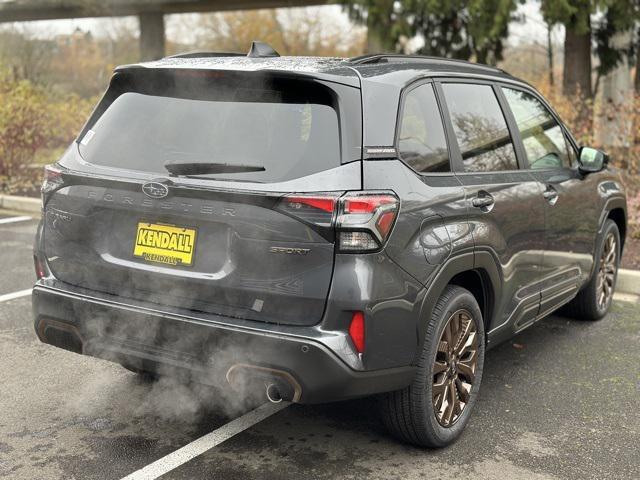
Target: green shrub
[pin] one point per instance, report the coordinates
(35, 127)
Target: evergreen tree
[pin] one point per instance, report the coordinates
(575, 15)
(471, 29)
(619, 17)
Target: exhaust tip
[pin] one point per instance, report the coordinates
(60, 334)
(273, 393)
(280, 385)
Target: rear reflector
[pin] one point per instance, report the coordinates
(40, 271)
(356, 331)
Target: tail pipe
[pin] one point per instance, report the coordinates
(278, 384)
(273, 393)
(60, 334)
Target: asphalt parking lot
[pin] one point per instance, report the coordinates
(561, 400)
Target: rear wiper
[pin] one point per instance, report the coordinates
(205, 168)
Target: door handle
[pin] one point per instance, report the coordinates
(551, 195)
(483, 201)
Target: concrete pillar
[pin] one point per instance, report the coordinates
(152, 42)
(613, 129)
(374, 42)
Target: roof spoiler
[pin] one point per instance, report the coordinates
(257, 50)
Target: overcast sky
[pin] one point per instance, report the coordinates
(532, 29)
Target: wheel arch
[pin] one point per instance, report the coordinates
(614, 208)
(619, 216)
(477, 273)
(477, 282)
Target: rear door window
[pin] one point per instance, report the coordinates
(422, 143)
(289, 128)
(542, 137)
(480, 128)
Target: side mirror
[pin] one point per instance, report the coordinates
(592, 160)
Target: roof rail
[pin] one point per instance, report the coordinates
(399, 58)
(367, 58)
(206, 54)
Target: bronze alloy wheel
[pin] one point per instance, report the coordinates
(454, 367)
(607, 271)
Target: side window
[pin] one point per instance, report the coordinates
(480, 128)
(543, 138)
(573, 155)
(422, 142)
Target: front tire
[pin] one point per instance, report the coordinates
(594, 300)
(434, 409)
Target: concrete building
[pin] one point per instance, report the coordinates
(149, 12)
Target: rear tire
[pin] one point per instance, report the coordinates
(143, 375)
(414, 414)
(588, 303)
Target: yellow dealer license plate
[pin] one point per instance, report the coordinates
(165, 244)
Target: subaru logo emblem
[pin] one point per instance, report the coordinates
(155, 190)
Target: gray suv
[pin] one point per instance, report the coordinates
(322, 228)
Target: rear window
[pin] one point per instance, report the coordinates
(288, 127)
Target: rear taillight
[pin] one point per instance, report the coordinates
(318, 209)
(365, 220)
(52, 180)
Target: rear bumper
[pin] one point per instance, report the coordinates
(304, 368)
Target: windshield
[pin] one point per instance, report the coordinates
(290, 132)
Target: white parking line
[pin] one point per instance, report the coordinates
(202, 444)
(11, 296)
(14, 219)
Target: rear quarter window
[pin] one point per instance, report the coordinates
(421, 139)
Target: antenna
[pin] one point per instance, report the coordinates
(261, 50)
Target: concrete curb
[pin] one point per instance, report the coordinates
(21, 204)
(628, 280)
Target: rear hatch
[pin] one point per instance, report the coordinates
(207, 190)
